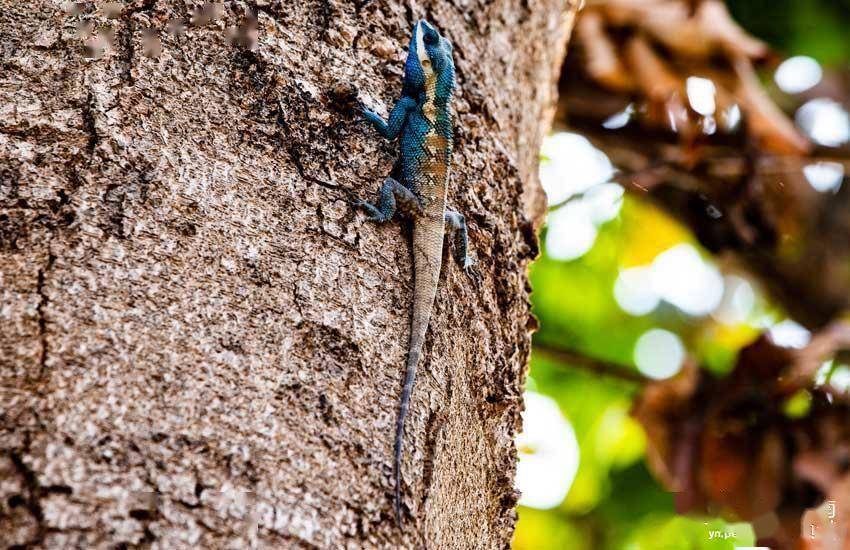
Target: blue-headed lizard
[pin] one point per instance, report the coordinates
(423, 120)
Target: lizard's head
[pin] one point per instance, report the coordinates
(429, 53)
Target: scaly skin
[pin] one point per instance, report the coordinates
(423, 119)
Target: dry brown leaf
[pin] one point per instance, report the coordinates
(714, 17)
(659, 402)
(768, 124)
(691, 37)
(674, 24)
(662, 87)
(652, 74)
(746, 476)
(727, 446)
(603, 63)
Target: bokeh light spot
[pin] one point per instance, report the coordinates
(825, 121)
(621, 119)
(701, 92)
(739, 299)
(570, 165)
(570, 232)
(789, 334)
(825, 176)
(549, 453)
(681, 277)
(798, 74)
(634, 292)
(572, 228)
(839, 380)
(659, 354)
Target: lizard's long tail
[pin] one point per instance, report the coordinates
(427, 257)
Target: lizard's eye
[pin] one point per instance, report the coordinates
(430, 39)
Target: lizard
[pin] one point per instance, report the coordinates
(422, 118)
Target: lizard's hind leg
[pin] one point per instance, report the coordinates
(393, 196)
(456, 228)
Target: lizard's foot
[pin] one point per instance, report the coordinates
(393, 197)
(456, 229)
(374, 215)
(368, 115)
(471, 271)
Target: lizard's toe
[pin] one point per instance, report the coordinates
(373, 214)
(366, 115)
(471, 271)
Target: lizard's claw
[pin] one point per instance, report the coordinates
(367, 115)
(471, 271)
(359, 204)
(362, 113)
(373, 119)
(374, 215)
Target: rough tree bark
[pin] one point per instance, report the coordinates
(201, 343)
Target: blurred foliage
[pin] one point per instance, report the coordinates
(614, 503)
(575, 300)
(817, 28)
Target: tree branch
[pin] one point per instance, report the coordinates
(597, 366)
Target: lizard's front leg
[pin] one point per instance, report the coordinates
(391, 128)
(456, 229)
(393, 196)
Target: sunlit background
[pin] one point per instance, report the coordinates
(622, 282)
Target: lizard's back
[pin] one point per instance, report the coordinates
(426, 147)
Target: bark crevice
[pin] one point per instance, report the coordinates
(32, 499)
(43, 302)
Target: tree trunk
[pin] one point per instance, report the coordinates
(201, 342)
